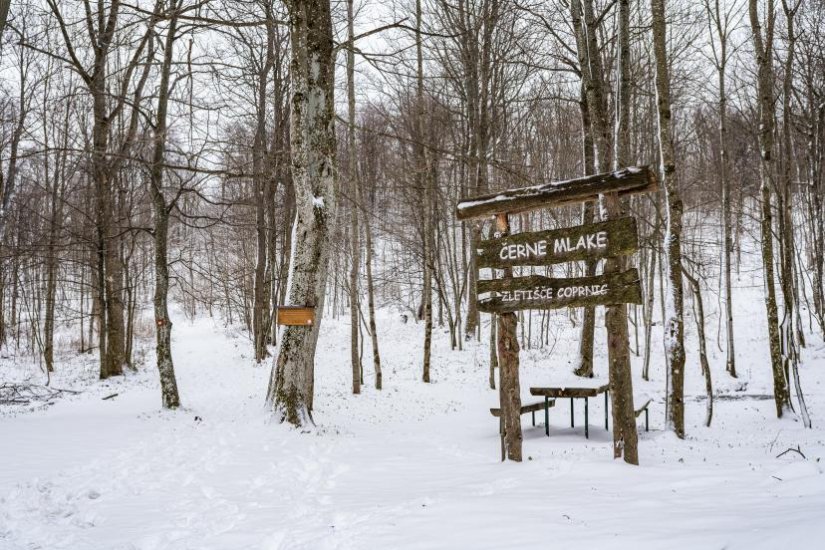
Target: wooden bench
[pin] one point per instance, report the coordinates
(640, 405)
(531, 408)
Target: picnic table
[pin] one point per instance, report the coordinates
(572, 392)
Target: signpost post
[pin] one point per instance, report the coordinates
(611, 239)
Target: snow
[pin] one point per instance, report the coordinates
(413, 466)
(318, 202)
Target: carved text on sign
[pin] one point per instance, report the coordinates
(538, 292)
(585, 242)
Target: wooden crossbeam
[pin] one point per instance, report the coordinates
(626, 181)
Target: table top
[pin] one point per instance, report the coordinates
(570, 391)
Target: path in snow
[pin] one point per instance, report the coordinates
(414, 466)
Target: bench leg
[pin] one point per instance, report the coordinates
(647, 425)
(547, 416)
(586, 420)
(605, 411)
(533, 413)
(501, 437)
(572, 422)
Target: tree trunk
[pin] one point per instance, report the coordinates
(625, 438)
(261, 177)
(352, 173)
(585, 367)
(699, 313)
(376, 356)
(312, 139)
(720, 21)
(763, 46)
(674, 324)
(508, 362)
(163, 324)
(791, 332)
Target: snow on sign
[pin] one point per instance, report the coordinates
(585, 242)
(538, 292)
(624, 182)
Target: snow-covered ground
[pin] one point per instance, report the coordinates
(413, 466)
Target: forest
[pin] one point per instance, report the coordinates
(178, 177)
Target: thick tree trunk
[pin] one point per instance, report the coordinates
(508, 362)
(312, 139)
(625, 438)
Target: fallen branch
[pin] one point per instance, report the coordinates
(798, 450)
(24, 394)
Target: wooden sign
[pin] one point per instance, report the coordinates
(585, 242)
(296, 316)
(626, 181)
(538, 292)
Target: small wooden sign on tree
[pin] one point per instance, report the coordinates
(296, 316)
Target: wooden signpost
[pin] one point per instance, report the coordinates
(507, 294)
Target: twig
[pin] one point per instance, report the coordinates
(798, 450)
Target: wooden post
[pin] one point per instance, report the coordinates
(508, 362)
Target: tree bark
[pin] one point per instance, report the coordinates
(314, 170)
(763, 46)
(508, 362)
(160, 209)
(719, 20)
(352, 173)
(674, 324)
(625, 438)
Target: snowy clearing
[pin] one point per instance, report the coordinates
(413, 466)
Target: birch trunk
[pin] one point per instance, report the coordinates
(376, 355)
(312, 139)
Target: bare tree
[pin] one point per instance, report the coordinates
(314, 169)
(675, 324)
(763, 43)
